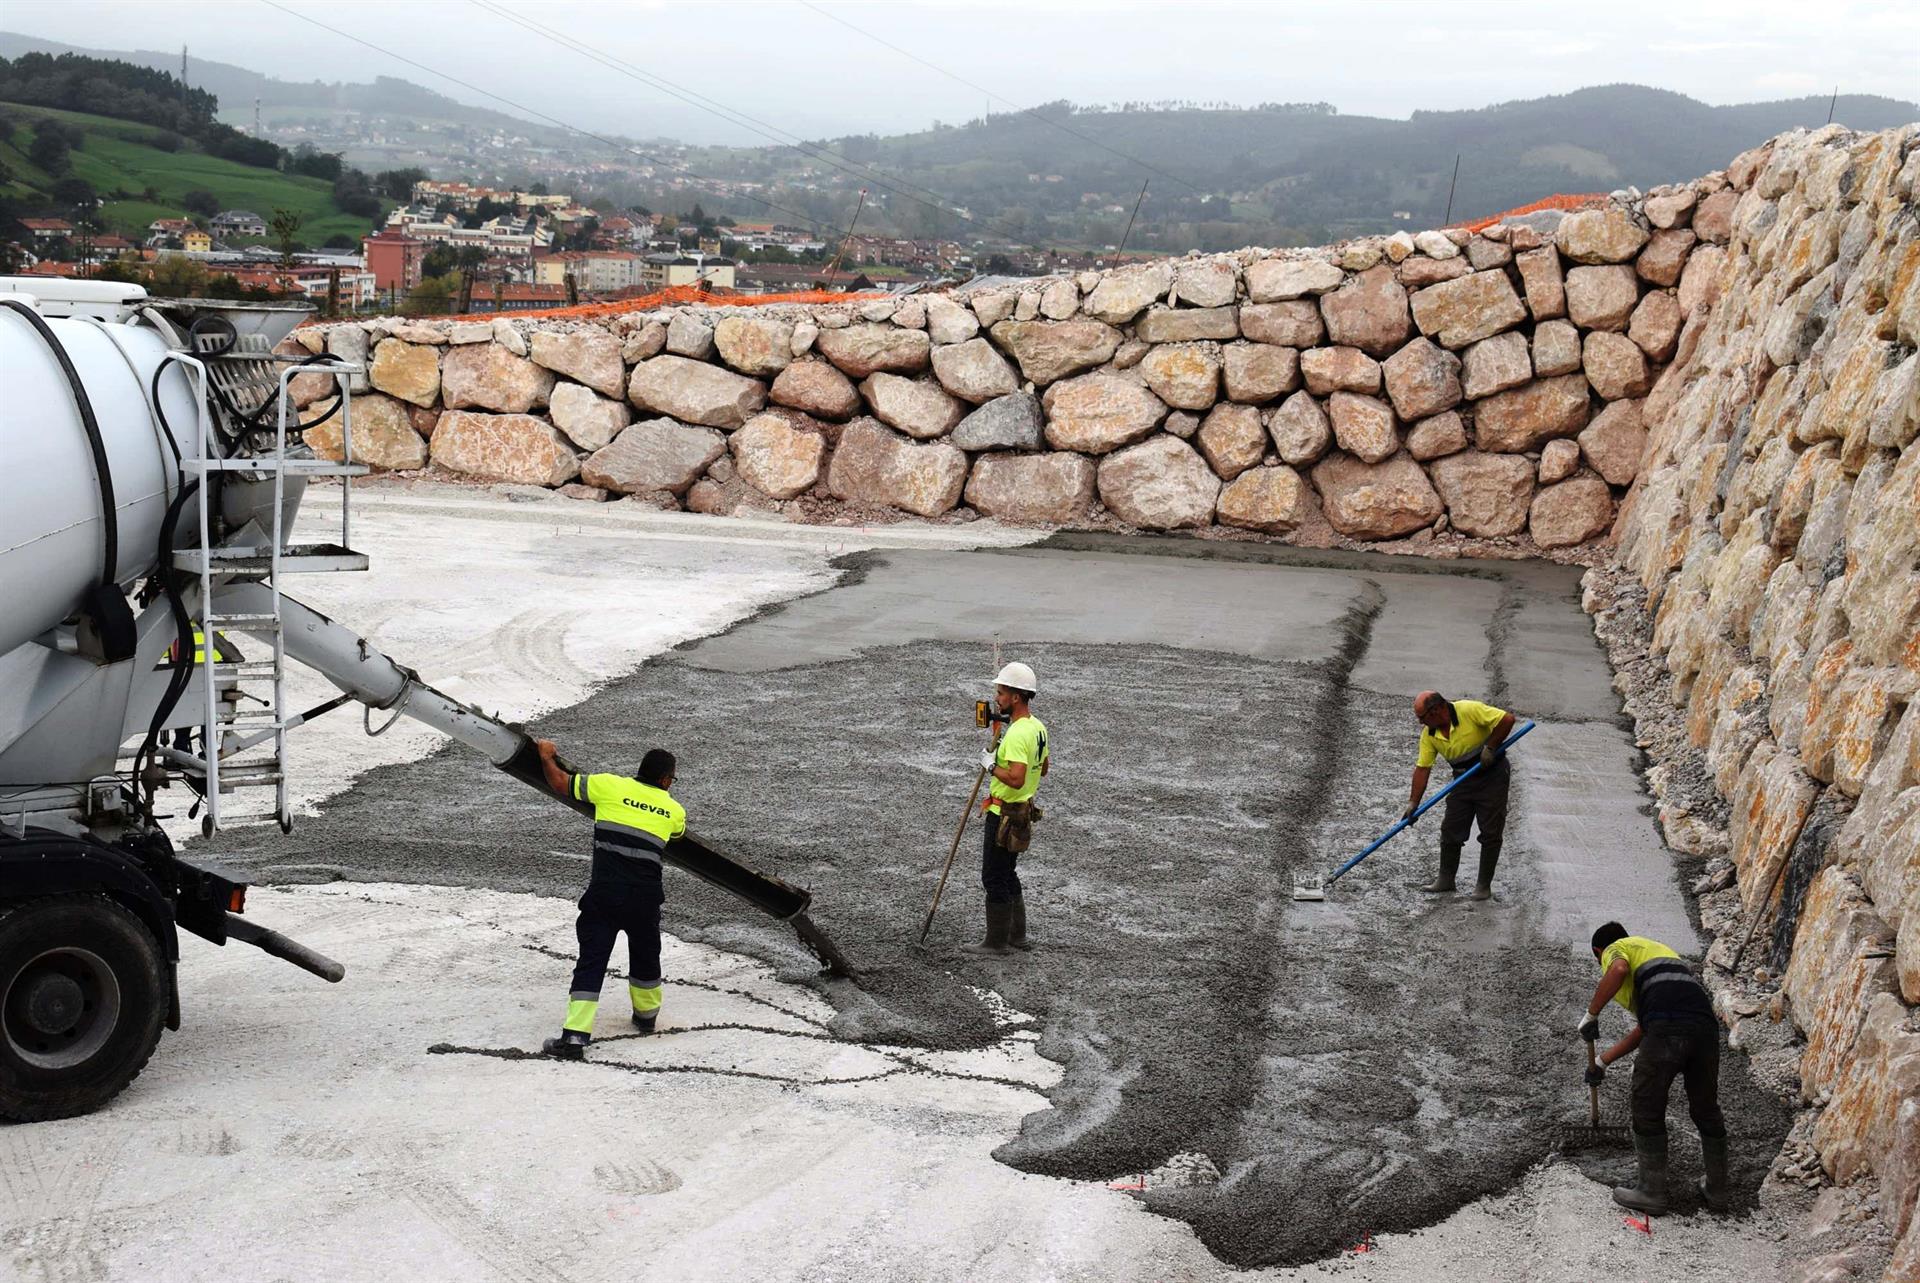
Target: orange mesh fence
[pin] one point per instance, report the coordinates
(1586, 201)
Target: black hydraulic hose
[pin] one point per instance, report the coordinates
(182, 673)
(103, 470)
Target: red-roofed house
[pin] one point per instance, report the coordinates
(48, 229)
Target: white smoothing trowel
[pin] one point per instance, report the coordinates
(1316, 888)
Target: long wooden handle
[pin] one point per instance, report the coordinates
(954, 850)
(1593, 1093)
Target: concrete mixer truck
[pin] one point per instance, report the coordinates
(152, 465)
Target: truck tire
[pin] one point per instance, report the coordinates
(83, 995)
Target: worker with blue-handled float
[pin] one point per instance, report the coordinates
(1467, 733)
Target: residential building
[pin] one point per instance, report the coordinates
(238, 222)
(500, 296)
(164, 228)
(195, 241)
(548, 268)
(664, 271)
(394, 259)
(601, 271)
(47, 229)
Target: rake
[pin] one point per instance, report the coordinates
(1316, 888)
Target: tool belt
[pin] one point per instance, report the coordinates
(1015, 833)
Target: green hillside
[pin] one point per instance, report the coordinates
(119, 156)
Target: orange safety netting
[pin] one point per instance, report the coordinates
(670, 296)
(1566, 202)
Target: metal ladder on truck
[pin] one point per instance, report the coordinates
(248, 373)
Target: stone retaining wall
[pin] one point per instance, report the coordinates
(1776, 529)
(1490, 385)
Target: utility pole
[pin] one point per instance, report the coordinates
(183, 73)
(1129, 232)
(1447, 218)
(256, 119)
(833, 267)
(1835, 103)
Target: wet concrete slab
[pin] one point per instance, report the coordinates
(1222, 724)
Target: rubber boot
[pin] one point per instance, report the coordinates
(1483, 885)
(999, 926)
(645, 1023)
(1648, 1193)
(570, 1045)
(1017, 934)
(1449, 865)
(1713, 1187)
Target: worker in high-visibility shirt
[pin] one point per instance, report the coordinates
(1466, 733)
(1016, 765)
(633, 820)
(1677, 1036)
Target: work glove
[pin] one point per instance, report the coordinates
(987, 760)
(1488, 753)
(1589, 1026)
(1408, 813)
(1595, 1075)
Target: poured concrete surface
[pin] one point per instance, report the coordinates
(1222, 723)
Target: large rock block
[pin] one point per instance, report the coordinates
(1570, 512)
(860, 350)
(1232, 439)
(776, 458)
(1556, 348)
(1013, 422)
(1300, 430)
(1435, 438)
(973, 371)
(1496, 364)
(1522, 419)
(1046, 489)
(485, 376)
(1120, 296)
(1601, 298)
(652, 456)
(1610, 234)
(1546, 287)
(760, 346)
(1363, 425)
(1423, 379)
(1274, 501)
(695, 392)
(1211, 282)
(690, 336)
(591, 357)
(1368, 312)
(1458, 312)
(1655, 325)
(1160, 484)
(948, 321)
(1052, 350)
(1487, 495)
(1273, 280)
(920, 408)
(1186, 376)
(1839, 965)
(410, 371)
(1257, 372)
(1339, 369)
(816, 388)
(1665, 257)
(1376, 500)
(1187, 324)
(589, 420)
(874, 464)
(503, 447)
(1295, 324)
(1097, 413)
(1614, 442)
(383, 435)
(1615, 366)
(1770, 804)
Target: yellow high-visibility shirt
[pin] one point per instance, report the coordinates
(1659, 984)
(1473, 725)
(632, 824)
(1025, 741)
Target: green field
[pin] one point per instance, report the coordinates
(117, 156)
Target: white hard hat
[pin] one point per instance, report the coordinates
(1019, 677)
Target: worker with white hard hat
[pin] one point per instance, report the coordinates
(1016, 764)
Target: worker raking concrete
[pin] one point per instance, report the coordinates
(633, 820)
(1466, 733)
(1016, 765)
(1677, 1036)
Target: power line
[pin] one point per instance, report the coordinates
(773, 133)
(807, 219)
(1018, 109)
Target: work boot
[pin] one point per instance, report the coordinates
(1449, 865)
(1483, 885)
(999, 926)
(1017, 934)
(1713, 1187)
(570, 1045)
(645, 1023)
(1648, 1193)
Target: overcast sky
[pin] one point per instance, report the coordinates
(807, 67)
